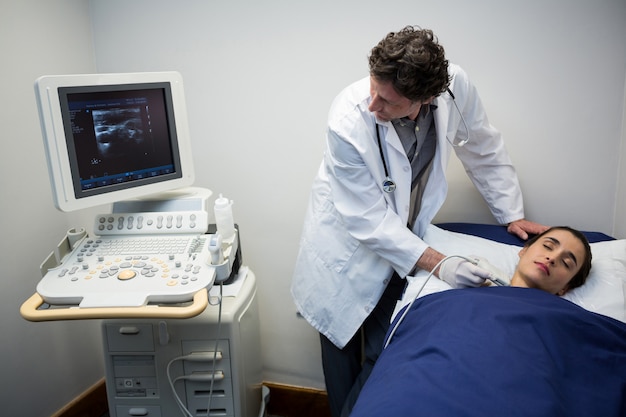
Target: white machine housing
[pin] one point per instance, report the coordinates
(137, 353)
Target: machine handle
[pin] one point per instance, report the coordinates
(30, 310)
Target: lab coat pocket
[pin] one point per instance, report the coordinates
(328, 240)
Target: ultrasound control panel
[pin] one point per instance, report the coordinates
(129, 271)
(149, 251)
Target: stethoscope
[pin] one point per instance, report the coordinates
(389, 185)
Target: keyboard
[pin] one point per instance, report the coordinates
(141, 246)
(130, 271)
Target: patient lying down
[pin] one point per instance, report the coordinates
(512, 351)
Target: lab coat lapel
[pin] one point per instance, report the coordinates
(399, 170)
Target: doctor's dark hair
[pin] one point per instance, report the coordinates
(582, 274)
(413, 61)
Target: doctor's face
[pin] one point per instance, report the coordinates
(387, 104)
(550, 262)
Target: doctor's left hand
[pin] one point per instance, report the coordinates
(522, 228)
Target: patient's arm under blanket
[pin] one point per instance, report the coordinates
(499, 352)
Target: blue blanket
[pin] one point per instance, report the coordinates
(499, 352)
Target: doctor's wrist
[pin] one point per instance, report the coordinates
(429, 260)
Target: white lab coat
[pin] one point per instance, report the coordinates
(354, 234)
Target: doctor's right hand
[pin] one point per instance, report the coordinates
(460, 273)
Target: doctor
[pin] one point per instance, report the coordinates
(381, 182)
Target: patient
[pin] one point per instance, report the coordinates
(555, 261)
(505, 351)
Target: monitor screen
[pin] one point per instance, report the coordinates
(111, 137)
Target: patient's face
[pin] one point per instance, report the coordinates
(550, 262)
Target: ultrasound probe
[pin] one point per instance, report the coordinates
(496, 276)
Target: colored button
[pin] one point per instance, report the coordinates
(126, 274)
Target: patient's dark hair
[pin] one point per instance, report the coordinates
(582, 274)
(413, 61)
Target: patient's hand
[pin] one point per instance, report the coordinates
(522, 228)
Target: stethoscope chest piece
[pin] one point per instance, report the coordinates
(388, 185)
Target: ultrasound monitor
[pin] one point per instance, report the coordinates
(112, 137)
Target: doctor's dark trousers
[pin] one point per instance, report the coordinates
(347, 369)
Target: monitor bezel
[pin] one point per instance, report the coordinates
(51, 93)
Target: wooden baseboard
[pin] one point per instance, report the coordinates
(91, 403)
(285, 401)
(292, 401)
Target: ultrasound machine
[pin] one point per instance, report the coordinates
(178, 310)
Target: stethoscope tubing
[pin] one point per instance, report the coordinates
(389, 185)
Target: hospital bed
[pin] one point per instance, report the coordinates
(505, 350)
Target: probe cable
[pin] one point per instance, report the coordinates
(179, 402)
(217, 339)
(184, 410)
(408, 307)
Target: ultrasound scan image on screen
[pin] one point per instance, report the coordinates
(118, 137)
(120, 132)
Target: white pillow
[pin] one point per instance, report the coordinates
(604, 291)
